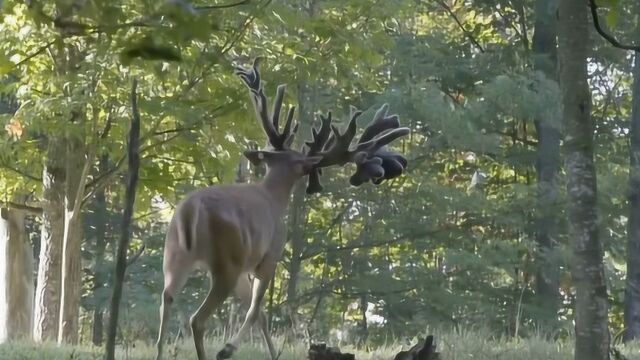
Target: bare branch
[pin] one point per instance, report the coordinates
(180, 129)
(158, 143)
(40, 50)
(612, 40)
(30, 209)
(102, 180)
(223, 6)
(229, 44)
(136, 256)
(107, 126)
(466, 32)
(20, 172)
(370, 245)
(133, 156)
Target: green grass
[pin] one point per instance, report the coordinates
(452, 346)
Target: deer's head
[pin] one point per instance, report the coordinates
(328, 147)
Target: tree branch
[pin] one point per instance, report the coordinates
(612, 40)
(30, 209)
(158, 143)
(135, 256)
(460, 25)
(20, 172)
(180, 129)
(107, 126)
(40, 50)
(223, 6)
(102, 180)
(133, 155)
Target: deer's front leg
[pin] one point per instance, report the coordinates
(259, 287)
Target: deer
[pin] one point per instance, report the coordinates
(231, 231)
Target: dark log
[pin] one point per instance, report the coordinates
(423, 350)
(323, 352)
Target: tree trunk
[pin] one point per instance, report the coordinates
(297, 216)
(547, 164)
(364, 329)
(592, 335)
(297, 212)
(632, 290)
(100, 225)
(72, 255)
(16, 277)
(133, 152)
(47, 300)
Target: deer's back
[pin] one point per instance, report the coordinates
(224, 225)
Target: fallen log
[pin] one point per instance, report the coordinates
(323, 352)
(423, 350)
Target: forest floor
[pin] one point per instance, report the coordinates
(451, 347)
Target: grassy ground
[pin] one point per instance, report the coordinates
(452, 346)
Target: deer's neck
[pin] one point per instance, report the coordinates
(279, 185)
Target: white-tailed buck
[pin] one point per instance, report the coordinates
(230, 230)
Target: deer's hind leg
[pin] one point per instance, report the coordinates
(175, 276)
(221, 287)
(263, 273)
(243, 292)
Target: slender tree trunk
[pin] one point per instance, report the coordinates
(133, 151)
(71, 255)
(364, 328)
(297, 216)
(632, 290)
(547, 164)
(592, 334)
(100, 225)
(297, 211)
(16, 277)
(47, 300)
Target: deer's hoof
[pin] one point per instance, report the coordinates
(226, 352)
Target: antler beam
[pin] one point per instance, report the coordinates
(374, 162)
(279, 141)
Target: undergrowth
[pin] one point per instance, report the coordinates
(452, 346)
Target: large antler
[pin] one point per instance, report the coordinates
(372, 158)
(279, 141)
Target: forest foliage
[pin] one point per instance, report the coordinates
(450, 244)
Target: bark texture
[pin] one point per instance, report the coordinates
(47, 300)
(547, 165)
(16, 277)
(632, 289)
(592, 334)
(71, 256)
(133, 154)
(100, 226)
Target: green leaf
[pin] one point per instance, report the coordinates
(612, 17)
(6, 65)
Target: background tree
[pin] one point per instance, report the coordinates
(592, 331)
(475, 233)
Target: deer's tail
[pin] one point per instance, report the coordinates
(187, 225)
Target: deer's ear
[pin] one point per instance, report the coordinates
(256, 157)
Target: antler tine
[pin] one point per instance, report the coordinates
(338, 152)
(319, 136)
(292, 135)
(385, 138)
(287, 126)
(373, 161)
(319, 141)
(277, 106)
(251, 78)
